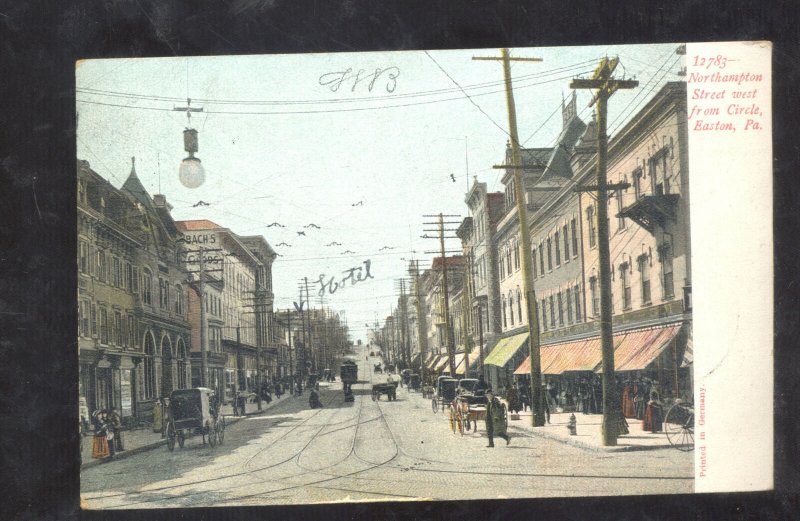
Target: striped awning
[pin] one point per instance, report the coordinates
(433, 361)
(688, 354)
(442, 363)
(641, 353)
(633, 350)
(505, 350)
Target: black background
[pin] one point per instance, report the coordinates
(39, 43)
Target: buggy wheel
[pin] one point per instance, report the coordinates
(212, 435)
(171, 436)
(679, 426)
(460, 420)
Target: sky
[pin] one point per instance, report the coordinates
(298, 140)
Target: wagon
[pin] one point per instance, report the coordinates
(194, 411)
(388, 388)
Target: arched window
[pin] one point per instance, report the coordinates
(505, 314)
(511, 308)
(149, 366)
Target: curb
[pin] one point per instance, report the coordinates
(587, 446)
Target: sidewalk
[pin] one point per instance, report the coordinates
(140, 440)
(589, 434)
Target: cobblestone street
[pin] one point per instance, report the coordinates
(368, 451)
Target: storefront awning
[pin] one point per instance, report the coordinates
(414, 360)
(688, 354)
(643, 352)
(505, 350)
(433, 361)
(473, 360)
(442, 363)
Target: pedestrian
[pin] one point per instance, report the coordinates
(115, 424)
(158, 416)
(496, 424)
(512, 398)
(103, 443)
(313, 399)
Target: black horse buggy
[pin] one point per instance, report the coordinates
(194, 411)
(387, 388)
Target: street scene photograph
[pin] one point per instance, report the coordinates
(386, 276)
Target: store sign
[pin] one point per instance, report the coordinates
(126, 396)
(200, 239)
(351, 275)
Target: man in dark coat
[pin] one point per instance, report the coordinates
(496, 424)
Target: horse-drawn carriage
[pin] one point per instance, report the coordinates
(348, 372)
(413, 382)
(443, 393)
(194, 411)
(387, 388)
(468, 406)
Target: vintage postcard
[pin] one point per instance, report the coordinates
(424, 275)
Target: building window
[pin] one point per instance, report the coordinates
(147, 286)
(508, 260)
(83, 258)
(179, 299)
(625, 283)
(541, 257)
(128, 276)
(519, 305)
(84, 318)
(595, 295)
(552, 313)
(658, 173)
(103, 325)
(558, 249)
(574, 226)
(132, 340)
(510, 308)
(535, 267)
(516, 255)
(135, 281)
(560, 309)
(620, 219)
(666, 271)
(94, 321)
(576, 293)
(502, 266)
(102, 269)
(644, 270)
(505, 314)
(119, 334)
(544, 314)
(569, 306)
(116, 272)
(566, 244)
(549, 254)
(592, 230)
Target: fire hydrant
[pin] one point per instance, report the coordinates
(572, 425)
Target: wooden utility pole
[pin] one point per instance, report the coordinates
(604, 87)
(537, 396)
(451, 357)
(421, 325)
